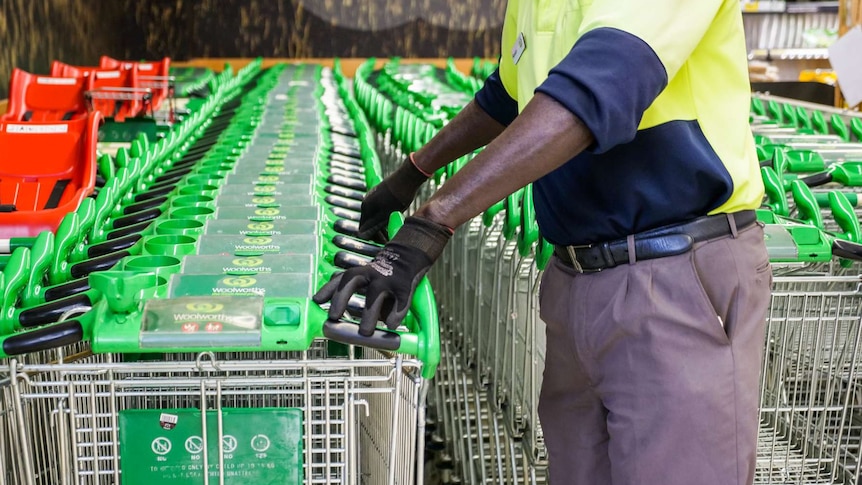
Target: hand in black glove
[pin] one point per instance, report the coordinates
(392, 194)
(391, 278)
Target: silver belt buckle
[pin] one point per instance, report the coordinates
(571, 251)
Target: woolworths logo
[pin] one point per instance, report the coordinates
(261, 226)
(239, 281)
(204, 307)
(263, 200)
(267, 212)
(258, 241)
(248, 262)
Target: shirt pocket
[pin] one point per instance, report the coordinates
(567, 27)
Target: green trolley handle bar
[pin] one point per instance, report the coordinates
(529, 233)
(513, 214)
(845, 216)
(847, 249)
(806, 204)
(348, 333)
(52, 311)
(63, 333)
(424, 343)
(775, 194)
(489, 214)
(823, 198)
(848, 174)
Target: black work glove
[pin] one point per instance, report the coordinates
(395, 193)
(391, 278)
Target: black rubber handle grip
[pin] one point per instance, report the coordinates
(344, 202)
(144, 205)
(154, 192)
(203, 144)
(193, 157)
(348, 333)
(346, 182)
(346, 167)
(182, 164)
(63, 333)
(112, 245)
(818, 179)
(349, 228)
(847, 249)
(52, 311)
(345, 214)
(170, 178)
(136, 218)
(337, 157)
(344, 130)
(356, 246)
(345, 192)
(346, 260)
(346, 151)
(102, 263)
(69, 288)
(337, 172)
(173, 176)
(129, 230)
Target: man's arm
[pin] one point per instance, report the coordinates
(481, 121)
(542, 138)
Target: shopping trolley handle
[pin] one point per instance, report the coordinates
(348, 333)
(847, 249)
(44, 338)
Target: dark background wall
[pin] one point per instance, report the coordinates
(34, 32)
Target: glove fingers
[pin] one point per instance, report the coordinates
(382, 236)
(368, 230)
(324, 294)
(396, 314)
(349, 285)
(373, 305)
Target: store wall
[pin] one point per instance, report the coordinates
(34, 32)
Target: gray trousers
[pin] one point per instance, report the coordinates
(652, 369)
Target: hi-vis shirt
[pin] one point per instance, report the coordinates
(662, 85)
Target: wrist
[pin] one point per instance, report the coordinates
(405, 181)
(423, 234)
(412, 159)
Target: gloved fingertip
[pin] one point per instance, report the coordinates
(381, 237)
(365, 331)
(324, 294)
(394, 319)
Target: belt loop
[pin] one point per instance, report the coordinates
(574, 257)
(731, 221)
(630, 242)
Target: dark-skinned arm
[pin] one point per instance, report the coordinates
(542, 138)
(472, 128)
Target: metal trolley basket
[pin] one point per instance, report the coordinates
(809, 405)
(357, 419)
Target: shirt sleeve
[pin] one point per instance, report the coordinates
(625, 54)
(495, 100)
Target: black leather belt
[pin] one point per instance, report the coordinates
(656, 243)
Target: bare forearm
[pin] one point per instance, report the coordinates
(471, 129)
(543, 137)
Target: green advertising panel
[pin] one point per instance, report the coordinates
(261, 446)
